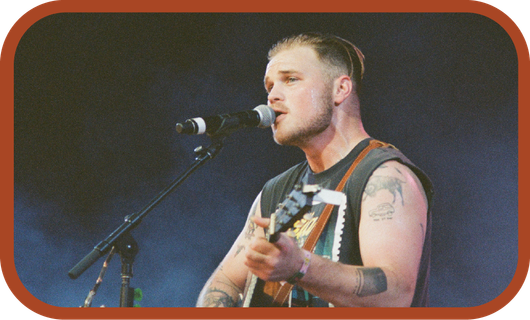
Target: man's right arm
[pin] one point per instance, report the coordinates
(226, 285)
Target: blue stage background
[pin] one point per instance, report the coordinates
(97, 97)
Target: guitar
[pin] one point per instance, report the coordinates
(259, 293)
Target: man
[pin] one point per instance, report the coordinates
(375, 251)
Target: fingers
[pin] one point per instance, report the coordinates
(274, 261)
(254, 259)
(261, 258)
(286, 243)
(261, 222)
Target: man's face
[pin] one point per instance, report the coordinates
(299, 89)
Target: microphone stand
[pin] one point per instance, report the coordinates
(121, 238)
(127, 248)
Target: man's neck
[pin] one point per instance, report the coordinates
(329, 148)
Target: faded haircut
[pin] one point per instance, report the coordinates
(340, 55)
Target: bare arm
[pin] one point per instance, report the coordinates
(226, 285)
(391, 234)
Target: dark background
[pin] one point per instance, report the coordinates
(97, 97)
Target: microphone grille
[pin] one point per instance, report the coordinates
(267, 116)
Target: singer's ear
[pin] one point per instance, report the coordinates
(342, 89)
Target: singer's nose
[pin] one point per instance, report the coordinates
(275, 95)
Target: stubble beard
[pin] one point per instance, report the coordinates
(309, 128)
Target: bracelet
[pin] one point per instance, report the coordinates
(303, 270)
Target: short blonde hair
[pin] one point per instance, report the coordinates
(340, 55)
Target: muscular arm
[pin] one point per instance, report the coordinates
(391, 234)
(226, 285)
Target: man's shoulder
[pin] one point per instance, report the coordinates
(391, 156)
(288, 175)
(277, 188)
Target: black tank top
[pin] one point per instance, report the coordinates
(340, 239)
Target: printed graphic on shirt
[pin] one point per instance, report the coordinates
(303, 227)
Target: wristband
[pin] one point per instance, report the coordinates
(303, 270)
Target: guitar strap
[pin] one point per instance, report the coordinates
(281, 296)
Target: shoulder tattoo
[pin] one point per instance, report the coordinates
(377, 183)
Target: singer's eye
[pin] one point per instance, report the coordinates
(292, 79)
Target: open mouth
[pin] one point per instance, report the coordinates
(279, 115)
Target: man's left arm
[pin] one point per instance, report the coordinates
(391, 236)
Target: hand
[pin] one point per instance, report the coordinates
(273, 261)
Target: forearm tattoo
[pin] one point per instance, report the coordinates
(249, 234)
(251, 229)
(218, 298)
(370, 281)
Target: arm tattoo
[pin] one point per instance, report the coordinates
(251, 228)
(239, 249)
(384, 211)
(376, 183)
(218, 298)
(249, 234)
(384, 166)
(370, 281)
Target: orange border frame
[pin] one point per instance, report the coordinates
(7, 194)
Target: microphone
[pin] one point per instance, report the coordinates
(262, 117)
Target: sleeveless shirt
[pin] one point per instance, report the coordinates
(340, 239)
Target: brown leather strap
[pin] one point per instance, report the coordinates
(309, 245)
